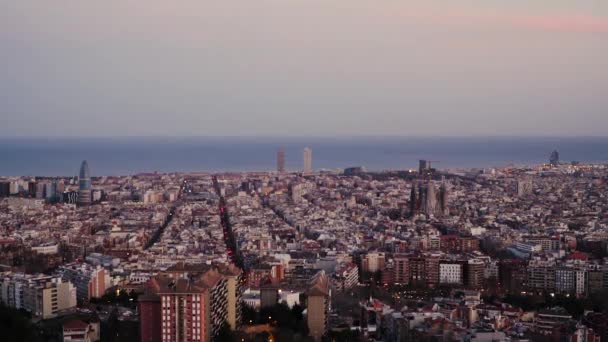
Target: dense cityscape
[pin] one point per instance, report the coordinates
(304, 171)
(517, 253)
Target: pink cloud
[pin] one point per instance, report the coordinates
(577, 23)
(582, 23)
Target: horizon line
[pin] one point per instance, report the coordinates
(295, 136)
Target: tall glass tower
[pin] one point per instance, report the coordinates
(281, 160)
(84, 184)
(307, 156)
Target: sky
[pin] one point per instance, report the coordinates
(303, 67)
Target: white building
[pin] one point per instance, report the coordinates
(252, 298)
(290, 298)
(42, 296)
(450, 273)
(570, 280)
(46, 249)
(14, 188)
(140, 277)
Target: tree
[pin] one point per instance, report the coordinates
(297, 311)
(344, 335)
(280, 316)
(225, 334)
(16, 326)
(262, 337)
(248, 314)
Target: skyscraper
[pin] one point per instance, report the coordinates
(41, 188)
(281, 160)
(307, 156)
(84, 184)
(423, 166)
(51, 191)
(554, 159)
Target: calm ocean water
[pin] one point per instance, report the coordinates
(123, 156)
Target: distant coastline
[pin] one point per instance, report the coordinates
(58, 156)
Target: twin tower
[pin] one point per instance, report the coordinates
(306, 156)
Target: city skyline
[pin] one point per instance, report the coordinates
(228, 257)
(158, 181)
(57, 157)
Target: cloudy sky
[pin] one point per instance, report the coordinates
(303, 67)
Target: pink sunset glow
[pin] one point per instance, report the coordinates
(577, 23)
(374, 67)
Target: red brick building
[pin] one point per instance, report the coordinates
(150, 318)
(192, 308)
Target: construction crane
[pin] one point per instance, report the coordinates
(425, 168)
(431, 162)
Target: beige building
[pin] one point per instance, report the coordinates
(52, 297)
(373, 262)
(233, 277)
(319, 295)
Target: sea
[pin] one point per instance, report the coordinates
(132, 155)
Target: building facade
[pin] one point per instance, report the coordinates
(451, 273)
(42, 296)
(193, 307)
(318, 305)
(90, 281)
